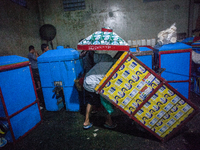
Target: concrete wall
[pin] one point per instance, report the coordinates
(19, 28)
(130, 19)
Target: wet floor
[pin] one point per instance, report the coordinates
(62, 130)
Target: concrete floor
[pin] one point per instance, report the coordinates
(63, 130)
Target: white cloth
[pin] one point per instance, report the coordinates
(91, 81)
(95, 75)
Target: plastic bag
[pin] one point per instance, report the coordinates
(167, 36)
(107, 105)
(196, 57)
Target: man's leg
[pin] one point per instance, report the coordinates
(87, 115)
(108, 120)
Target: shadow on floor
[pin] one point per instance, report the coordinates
(63, 130)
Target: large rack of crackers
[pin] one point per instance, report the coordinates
(145, 97)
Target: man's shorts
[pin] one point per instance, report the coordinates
(92, 98)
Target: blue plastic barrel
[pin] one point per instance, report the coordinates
(145, 55)
(175, 58)
(60, 67)
(18, 98)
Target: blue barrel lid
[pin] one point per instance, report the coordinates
(59, 54)
(175, 46)
(187, 40)
(141, 49)
(11, 59)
